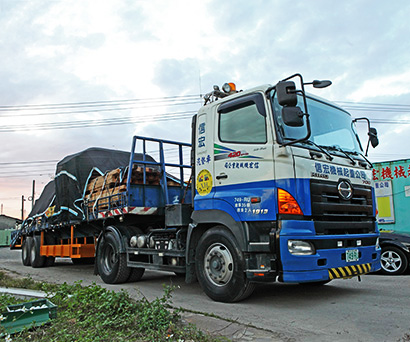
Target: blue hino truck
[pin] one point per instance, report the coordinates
(275, 186)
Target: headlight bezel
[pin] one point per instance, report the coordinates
(301, 247)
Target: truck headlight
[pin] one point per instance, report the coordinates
(300, 247)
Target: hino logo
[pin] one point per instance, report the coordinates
(345, 190)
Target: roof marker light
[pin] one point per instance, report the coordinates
(229, 88)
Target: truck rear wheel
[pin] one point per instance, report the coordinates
(26, 250)
(36, 259)
(112, 265)
(220, 267)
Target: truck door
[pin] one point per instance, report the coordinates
(243, 162)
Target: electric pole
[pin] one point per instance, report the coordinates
(22, 207)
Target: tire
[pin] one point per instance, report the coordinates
(36, 259)
(393, 261)
(49, 261)
(83, 261)
(136, 274)
(220, 267)
(49, 240)
(111, 264)
(26, 250)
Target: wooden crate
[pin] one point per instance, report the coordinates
(109, 180)
(110, 184)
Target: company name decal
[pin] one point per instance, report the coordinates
(201, 135)
(203, 160)
(222, 152)
(246, 165)
(323, 170)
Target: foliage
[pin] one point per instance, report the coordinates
(92, 313)
(24, 283)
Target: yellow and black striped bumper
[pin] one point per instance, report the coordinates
(349, 271)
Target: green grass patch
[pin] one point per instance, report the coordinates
(92, 313)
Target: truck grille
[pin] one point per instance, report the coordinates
(333, 215)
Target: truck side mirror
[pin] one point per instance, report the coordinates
(286, 93)
(374, 140)
(292, 116)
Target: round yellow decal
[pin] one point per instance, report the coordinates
(204, 182)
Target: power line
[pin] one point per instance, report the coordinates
(97, 123)
(93, 103)
(96, 110)
(390, 122)
(30, 162)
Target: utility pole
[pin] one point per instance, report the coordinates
(22, 207)
(33, 193)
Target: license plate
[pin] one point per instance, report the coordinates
(352, 255)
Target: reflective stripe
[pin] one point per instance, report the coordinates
(341, 271)
(349, 271)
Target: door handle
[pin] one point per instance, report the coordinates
(221, 176)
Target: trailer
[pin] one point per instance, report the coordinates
(274, 186)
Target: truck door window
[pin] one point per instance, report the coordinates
(243, 120)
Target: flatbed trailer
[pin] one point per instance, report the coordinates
(274, 187)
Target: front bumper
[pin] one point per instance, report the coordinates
(327, 264)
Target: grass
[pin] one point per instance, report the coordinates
(92, 313)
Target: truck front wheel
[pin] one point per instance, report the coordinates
(112, 265)
(220, 267)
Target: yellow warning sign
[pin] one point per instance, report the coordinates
(50, 211)
(204, 182)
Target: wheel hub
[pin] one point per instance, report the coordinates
(218, 264)
(391, 261)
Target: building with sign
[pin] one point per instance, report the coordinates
(7, 222)
(7, 225)
(392, 190)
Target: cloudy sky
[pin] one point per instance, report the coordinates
(82, 73)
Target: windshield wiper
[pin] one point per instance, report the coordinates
(339, 149)
(362, 155)
(308, 142)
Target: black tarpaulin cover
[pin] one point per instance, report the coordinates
(44, 201)
(73, 173)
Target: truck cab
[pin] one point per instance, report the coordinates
(284, 178)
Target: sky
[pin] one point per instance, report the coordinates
(76, 74)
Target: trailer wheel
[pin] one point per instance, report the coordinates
(36, 259)
(49, 240)
(50, 261)
(220, 267)
(112, 265)
(26, 250)
(83, 261)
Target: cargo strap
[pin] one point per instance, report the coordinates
(349, 271)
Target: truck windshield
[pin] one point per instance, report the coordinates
(331, 127)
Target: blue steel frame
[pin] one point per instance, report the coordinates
(162, 164)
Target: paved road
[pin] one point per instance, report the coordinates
(375, 309)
